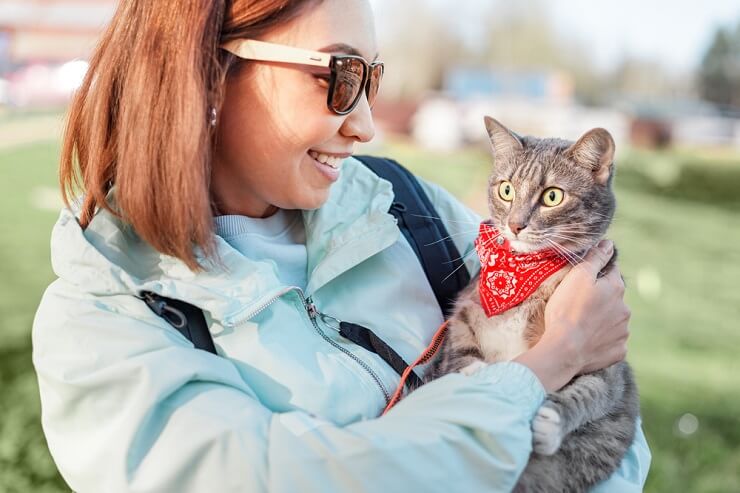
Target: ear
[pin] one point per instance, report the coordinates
(595, 151)
(503, 141)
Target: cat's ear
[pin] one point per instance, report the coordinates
(594, 150)
(503, 140)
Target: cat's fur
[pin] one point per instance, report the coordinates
(582, 431)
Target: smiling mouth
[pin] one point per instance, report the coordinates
(331, 161)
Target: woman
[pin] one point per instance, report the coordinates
(170, 130)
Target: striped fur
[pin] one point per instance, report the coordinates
(581, 432)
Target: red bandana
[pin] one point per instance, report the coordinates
(507, 278)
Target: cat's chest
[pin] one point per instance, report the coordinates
(505, 336)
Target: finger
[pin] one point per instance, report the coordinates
(615, 278)
(597, 258)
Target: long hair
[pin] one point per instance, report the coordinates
(141, 118)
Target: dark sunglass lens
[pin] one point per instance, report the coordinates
(348, 83)
(376, 75)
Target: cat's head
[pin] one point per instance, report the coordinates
(551, 193)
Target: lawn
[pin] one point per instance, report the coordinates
(679, 256)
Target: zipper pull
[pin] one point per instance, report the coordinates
(313, 312)
(328, 320)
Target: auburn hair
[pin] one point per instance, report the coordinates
(140, 121)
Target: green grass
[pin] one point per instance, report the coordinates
(25, 464)
(685, 333)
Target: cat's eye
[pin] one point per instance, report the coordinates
(552, 196)
(506, 191)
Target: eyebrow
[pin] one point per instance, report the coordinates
(345, 48)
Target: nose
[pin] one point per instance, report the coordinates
(516, 227)
(359, 123)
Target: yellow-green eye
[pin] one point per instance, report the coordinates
(506, 191)
(552, 197)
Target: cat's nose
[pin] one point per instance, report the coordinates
(516, 228)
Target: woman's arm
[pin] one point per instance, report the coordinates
(129, 405)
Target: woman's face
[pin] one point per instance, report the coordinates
(275, 114)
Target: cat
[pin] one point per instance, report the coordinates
(582, 431)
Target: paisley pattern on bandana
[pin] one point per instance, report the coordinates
(507, 277)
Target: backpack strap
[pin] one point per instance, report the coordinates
(186, 318)
(420, 224)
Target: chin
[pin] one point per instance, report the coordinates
(525, 246)
(314, 202)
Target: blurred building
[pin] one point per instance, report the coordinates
(50, 31)
(44, 47)
(540, 103)
(551, 87)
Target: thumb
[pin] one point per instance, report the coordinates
(597, 258)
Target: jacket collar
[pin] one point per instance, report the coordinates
(108, 258)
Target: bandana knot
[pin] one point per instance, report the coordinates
(507, 277)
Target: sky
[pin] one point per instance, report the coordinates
(674, 33)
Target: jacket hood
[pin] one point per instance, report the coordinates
(109, 258)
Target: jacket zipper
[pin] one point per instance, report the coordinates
(312, 313)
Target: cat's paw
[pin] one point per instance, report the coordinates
(473, 367)
(547, 433)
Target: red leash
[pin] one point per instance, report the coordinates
(425, 356)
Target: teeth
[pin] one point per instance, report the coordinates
(332, 161)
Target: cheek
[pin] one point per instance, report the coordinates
(296, 106)
(498, 209)
(265, 133)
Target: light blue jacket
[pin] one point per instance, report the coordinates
(290, 406)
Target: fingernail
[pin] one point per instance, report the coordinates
(606, 246)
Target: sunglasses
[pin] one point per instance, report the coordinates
(350, 75)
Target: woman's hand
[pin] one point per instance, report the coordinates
(585, 323)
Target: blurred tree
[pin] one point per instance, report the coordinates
(646, 81)
(422, 39)
(719, 74)
(417, 47)
(521, 36)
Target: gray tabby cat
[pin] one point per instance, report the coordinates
(582, 431)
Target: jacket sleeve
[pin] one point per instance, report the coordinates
(129, 405)
(631, 475)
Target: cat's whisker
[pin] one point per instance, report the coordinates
(585, 226)
(567, 257)
(579, 232)
(445, 220)
(600, 214)
(574, 254)
(486, 243)
(461, 259)
(578, 239)
(450, 236)
(564, 247)
(575, 241)
(464, 257)
(462, 264)
(570, 231)
(564, 253)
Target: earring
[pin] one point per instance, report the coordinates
(213, 116)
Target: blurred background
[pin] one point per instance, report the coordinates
(662, 76)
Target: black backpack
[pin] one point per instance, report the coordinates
(419, 223)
